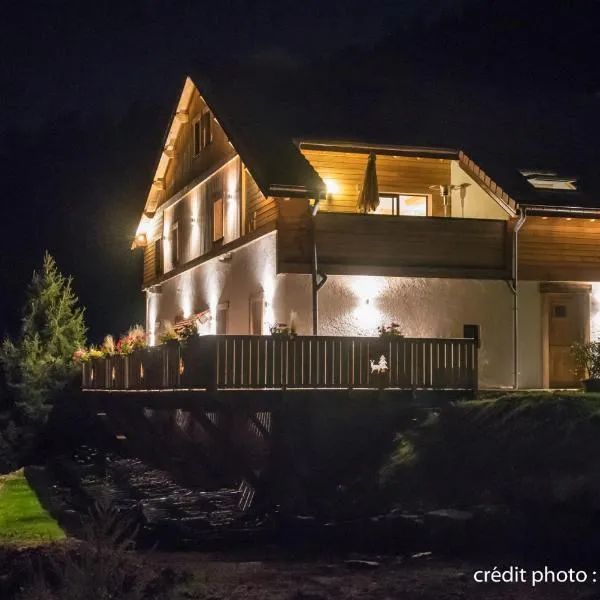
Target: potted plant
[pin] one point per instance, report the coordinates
(282, 330)
(169, 336)
(391, 330)
(586, 359)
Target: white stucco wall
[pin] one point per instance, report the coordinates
(250, 271)
(422, 307)
(472, 202)
(431, 308)
(530, 335)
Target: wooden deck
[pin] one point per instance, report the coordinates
(244, 362)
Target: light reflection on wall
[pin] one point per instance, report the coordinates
(151, 312)
(187, 294)
(268, 286)
(168, 257)
(595, 313)
(232, 210)
(367, 315)
(195, 248)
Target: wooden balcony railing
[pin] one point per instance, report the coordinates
(227, 362)
(355, 244)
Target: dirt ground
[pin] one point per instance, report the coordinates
(425, 578)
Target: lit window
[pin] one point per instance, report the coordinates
(414, 206)
(402, 204)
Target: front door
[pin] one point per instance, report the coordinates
(568, 317)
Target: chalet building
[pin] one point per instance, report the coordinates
(252, 219)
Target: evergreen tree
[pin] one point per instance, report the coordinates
(39, 364)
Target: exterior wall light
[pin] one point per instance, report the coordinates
(332, 186)
(141, 240)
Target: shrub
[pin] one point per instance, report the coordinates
(103, 566)
(587, 359)
(39, 363)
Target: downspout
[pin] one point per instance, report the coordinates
(316, 273)
(513, 284)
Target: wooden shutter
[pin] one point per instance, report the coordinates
(158, 257)
(218, 219)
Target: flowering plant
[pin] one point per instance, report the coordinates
(169, 333)
(81, 355)
(94, 352)
(391, 330)
(134, 339)
(108, 346)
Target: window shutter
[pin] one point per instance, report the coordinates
(218, 219)
(158, 257)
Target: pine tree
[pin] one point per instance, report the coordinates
(39, 364)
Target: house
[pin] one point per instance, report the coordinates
(252, 220)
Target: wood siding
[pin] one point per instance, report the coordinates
(395, 174)
(260, 211)
(559, 249)
(150, 257)
(393, 246)
(194, 215)
(185, 166)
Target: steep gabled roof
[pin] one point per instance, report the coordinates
(265, 108)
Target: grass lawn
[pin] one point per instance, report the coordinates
(22, 518)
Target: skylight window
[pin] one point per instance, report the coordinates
(547, 180)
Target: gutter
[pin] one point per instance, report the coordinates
(513, 285)
(315, 271)
(564, 210)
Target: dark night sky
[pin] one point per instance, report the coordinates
(86, 89)
(67, 54)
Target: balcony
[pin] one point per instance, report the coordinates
(401, 246)
(243, 362)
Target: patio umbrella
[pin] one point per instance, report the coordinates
(368, 199)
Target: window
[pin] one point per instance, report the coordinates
(256, 314)
(202, 132)
(196, 137)
(206, 132)
(548, 180)
(402, 204)
(559, 311)
(158, 257)
(175, 256)
(222, 312)
(218, 219)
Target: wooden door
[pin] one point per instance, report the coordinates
(568, 322)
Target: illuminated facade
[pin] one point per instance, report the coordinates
(230, 244)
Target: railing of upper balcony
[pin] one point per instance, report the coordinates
(394, 245)
(226, 362)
